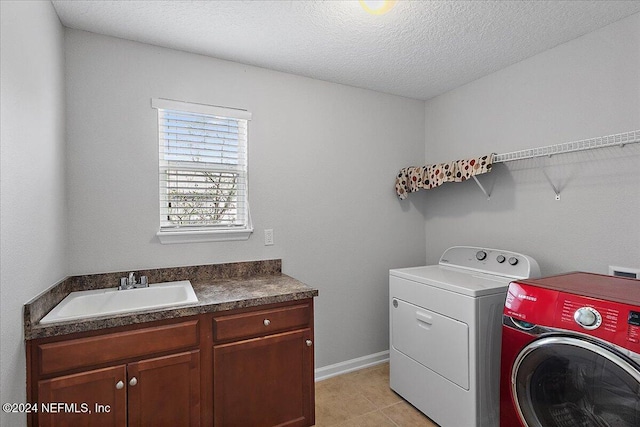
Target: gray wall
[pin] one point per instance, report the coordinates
(32, 213)
(322, 163)
(585, 88)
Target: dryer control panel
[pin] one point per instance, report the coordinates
(491, 261)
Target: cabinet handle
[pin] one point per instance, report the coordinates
(119, 385)
(309, 343)
(133, 381)
(266, 322)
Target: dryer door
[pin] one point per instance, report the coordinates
(438, 342)
(568, 381)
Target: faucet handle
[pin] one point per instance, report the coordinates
(130, 282)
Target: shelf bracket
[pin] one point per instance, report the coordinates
(488, 194)
(555, 189)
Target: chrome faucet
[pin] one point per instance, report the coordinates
(131, 283)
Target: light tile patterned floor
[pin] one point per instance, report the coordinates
(364, 399)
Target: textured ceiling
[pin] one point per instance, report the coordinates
(419, 49)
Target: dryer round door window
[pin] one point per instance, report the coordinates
(565, 381)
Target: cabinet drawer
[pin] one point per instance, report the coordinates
(263, 322)
(92, 351)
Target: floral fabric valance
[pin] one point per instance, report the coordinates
(415, 178)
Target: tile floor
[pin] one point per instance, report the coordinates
(363, 399)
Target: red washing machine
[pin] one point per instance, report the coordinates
(571, 352)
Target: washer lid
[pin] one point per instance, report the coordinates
(460, 281)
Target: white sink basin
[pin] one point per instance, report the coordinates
(100, 302)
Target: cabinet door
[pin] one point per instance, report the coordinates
(165, 391)
(89, 399)
(264, 381)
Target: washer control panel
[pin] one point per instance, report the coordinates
(633, 328)
(611, 321)
(491, 261)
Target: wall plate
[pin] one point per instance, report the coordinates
(632, 273)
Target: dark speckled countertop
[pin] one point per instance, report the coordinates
(219, 287)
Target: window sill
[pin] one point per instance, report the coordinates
(197, 236)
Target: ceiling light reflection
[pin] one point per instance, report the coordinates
(377, 7)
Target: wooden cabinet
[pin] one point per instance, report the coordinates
(165, 391)
(264, 377)
(94, 398)
(159, 391)
(248, 367)
(130, 377)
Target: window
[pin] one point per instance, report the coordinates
(203, 172)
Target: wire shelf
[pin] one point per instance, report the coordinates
(569, 147)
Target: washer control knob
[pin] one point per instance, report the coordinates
(513, 260)
(481, 255)
(500, 259)
(587, 317)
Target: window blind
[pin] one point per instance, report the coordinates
(202, 166)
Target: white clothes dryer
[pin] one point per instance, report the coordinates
(445, 333)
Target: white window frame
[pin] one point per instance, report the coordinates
(199, 233)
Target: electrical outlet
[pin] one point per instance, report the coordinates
(268, 237)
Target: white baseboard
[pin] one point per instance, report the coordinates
(347, 366)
